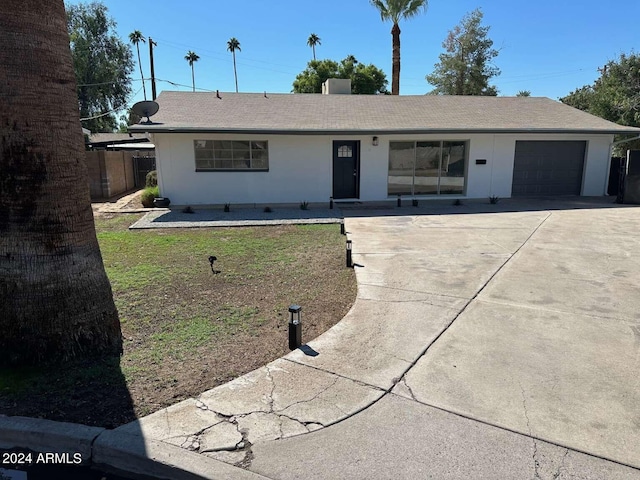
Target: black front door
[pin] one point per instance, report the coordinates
(346, 163)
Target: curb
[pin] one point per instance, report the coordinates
(111, 450)
(48, 436)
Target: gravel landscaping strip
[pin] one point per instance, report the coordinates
(241, 217)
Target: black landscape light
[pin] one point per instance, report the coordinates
(399, 200)
(211, 260)
(295, 326)
(349, 262)
(330, 203)
(342, 232)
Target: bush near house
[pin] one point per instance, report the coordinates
(151, 179)
(148, 194)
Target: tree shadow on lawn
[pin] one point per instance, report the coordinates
(92, 392)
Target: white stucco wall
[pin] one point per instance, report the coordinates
(300, 167)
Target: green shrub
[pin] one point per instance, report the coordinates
(148, 194)
(304, 206)
(151, 179)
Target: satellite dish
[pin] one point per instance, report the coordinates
(146, 108)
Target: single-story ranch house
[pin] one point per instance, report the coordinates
(245, 148)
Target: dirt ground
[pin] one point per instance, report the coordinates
(185, 329)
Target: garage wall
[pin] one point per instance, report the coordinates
(595, 167)
(300, 167)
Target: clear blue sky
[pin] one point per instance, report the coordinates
(549, 47)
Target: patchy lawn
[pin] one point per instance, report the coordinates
(187, 329)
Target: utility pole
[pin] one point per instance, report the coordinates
(153, 74)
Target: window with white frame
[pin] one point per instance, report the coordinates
(240, 155)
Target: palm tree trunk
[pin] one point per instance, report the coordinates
(55, 296)
(395, 78)
(313, 47)
(141, 74)
(235, 73)
(193, 78)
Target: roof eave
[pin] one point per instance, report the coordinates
(409, 131)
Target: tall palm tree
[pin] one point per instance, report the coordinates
(136, 37)
(312, 42)
(56, 299)
(396, 10)
(191, 57)
(232, 45)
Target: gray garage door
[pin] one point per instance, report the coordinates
(548, 168)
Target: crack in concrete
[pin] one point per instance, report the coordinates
(191, 443)
(308, 400)
(557, 473)
(356, 381)
(270, 398)
(421, 292)
(244, 444)
(195, 437)
(404, 381)
(246, 447)
(536, 463)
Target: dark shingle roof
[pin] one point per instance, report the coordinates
(117, 137)
(370, 114)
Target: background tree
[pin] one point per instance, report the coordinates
(523, 93)
(102, 63)
(312, 42)
(128, 118)
(136, 37)
(365, 79)
(394, 11)
(232, 45)
(465, 67)
(55, 296)
(191, 58)
(614, 96)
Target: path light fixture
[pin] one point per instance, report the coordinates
(374, 141)
(211, 260)
(330, 203)
(342, 231)
(399, 201)
(349, 261)
(295, 327)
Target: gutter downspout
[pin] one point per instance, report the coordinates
(611, 145)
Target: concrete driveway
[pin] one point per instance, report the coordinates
(517, 339)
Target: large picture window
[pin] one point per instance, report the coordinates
(231, 155)
(427, 168)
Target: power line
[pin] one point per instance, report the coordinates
(112, 111)
(181, 85)
(106, 83)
